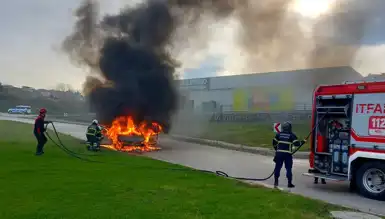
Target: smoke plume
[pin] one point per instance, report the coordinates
(270, 36)
(276, 39)
(129, 55)
(133, 55)
(338, 37)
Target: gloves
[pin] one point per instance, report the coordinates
(275, 159)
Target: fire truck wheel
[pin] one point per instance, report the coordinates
(370, 180)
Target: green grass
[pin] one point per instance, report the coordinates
(56, 185)
(251, 134)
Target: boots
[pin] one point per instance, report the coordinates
(323, 181)
(275, 183)
(290, 184)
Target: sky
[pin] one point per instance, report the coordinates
(32, 30)
(31, 33)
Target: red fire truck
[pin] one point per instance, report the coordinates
(348, 141)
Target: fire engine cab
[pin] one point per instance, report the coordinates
(348, 141)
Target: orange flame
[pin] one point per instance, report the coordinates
(125, 126)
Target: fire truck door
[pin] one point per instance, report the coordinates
(368, 121)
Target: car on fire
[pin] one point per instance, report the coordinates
(125, 135)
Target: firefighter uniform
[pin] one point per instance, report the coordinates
(284, 144)
(94, 136)
(39, 130)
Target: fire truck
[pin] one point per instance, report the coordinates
(348, 141)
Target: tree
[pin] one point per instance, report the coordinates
(64, 87)
(69, 88)
(61, 87)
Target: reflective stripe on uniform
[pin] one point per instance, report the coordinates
(275, 142)
(285, 151)
(91, 131)
(287, 143)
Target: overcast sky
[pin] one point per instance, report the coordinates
(31, 32)
(32, 29)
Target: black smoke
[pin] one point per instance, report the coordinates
(136, 70)
(128, 54)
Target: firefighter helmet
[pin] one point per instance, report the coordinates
(96, 122)
(286, 126)
(42, 111)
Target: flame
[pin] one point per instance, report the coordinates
(125, 126)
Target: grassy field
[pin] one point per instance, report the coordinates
(251, 134)
(58, 186)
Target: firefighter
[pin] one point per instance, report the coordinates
(323, 181)
(39, 130)
(316, 179)
(283, 144)
(94, 136)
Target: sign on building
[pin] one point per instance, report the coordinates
(195, 84)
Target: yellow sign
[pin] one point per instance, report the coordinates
(257, 99)
(240, 100)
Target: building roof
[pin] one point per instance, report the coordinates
(375, 77)
(304, 77)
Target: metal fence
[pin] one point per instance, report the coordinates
(297, 107)
(260, 117)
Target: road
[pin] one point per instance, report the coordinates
(241, 164)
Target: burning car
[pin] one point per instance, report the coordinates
(125, 135)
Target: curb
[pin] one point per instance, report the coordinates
(235, 147)
(53, 119)
(352, 214)
(71, 122)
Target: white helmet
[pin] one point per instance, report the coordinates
(95, 122)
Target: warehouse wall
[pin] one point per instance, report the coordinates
(257, 99)
(278, 91)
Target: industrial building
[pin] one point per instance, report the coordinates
(261, 92)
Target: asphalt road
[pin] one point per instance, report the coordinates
(241, 164)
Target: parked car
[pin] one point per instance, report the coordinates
(20, 109)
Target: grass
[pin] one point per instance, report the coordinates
(56, 185)
(251, 134)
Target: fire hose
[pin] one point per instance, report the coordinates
(219, 173)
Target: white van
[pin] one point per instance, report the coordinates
(20, 109)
